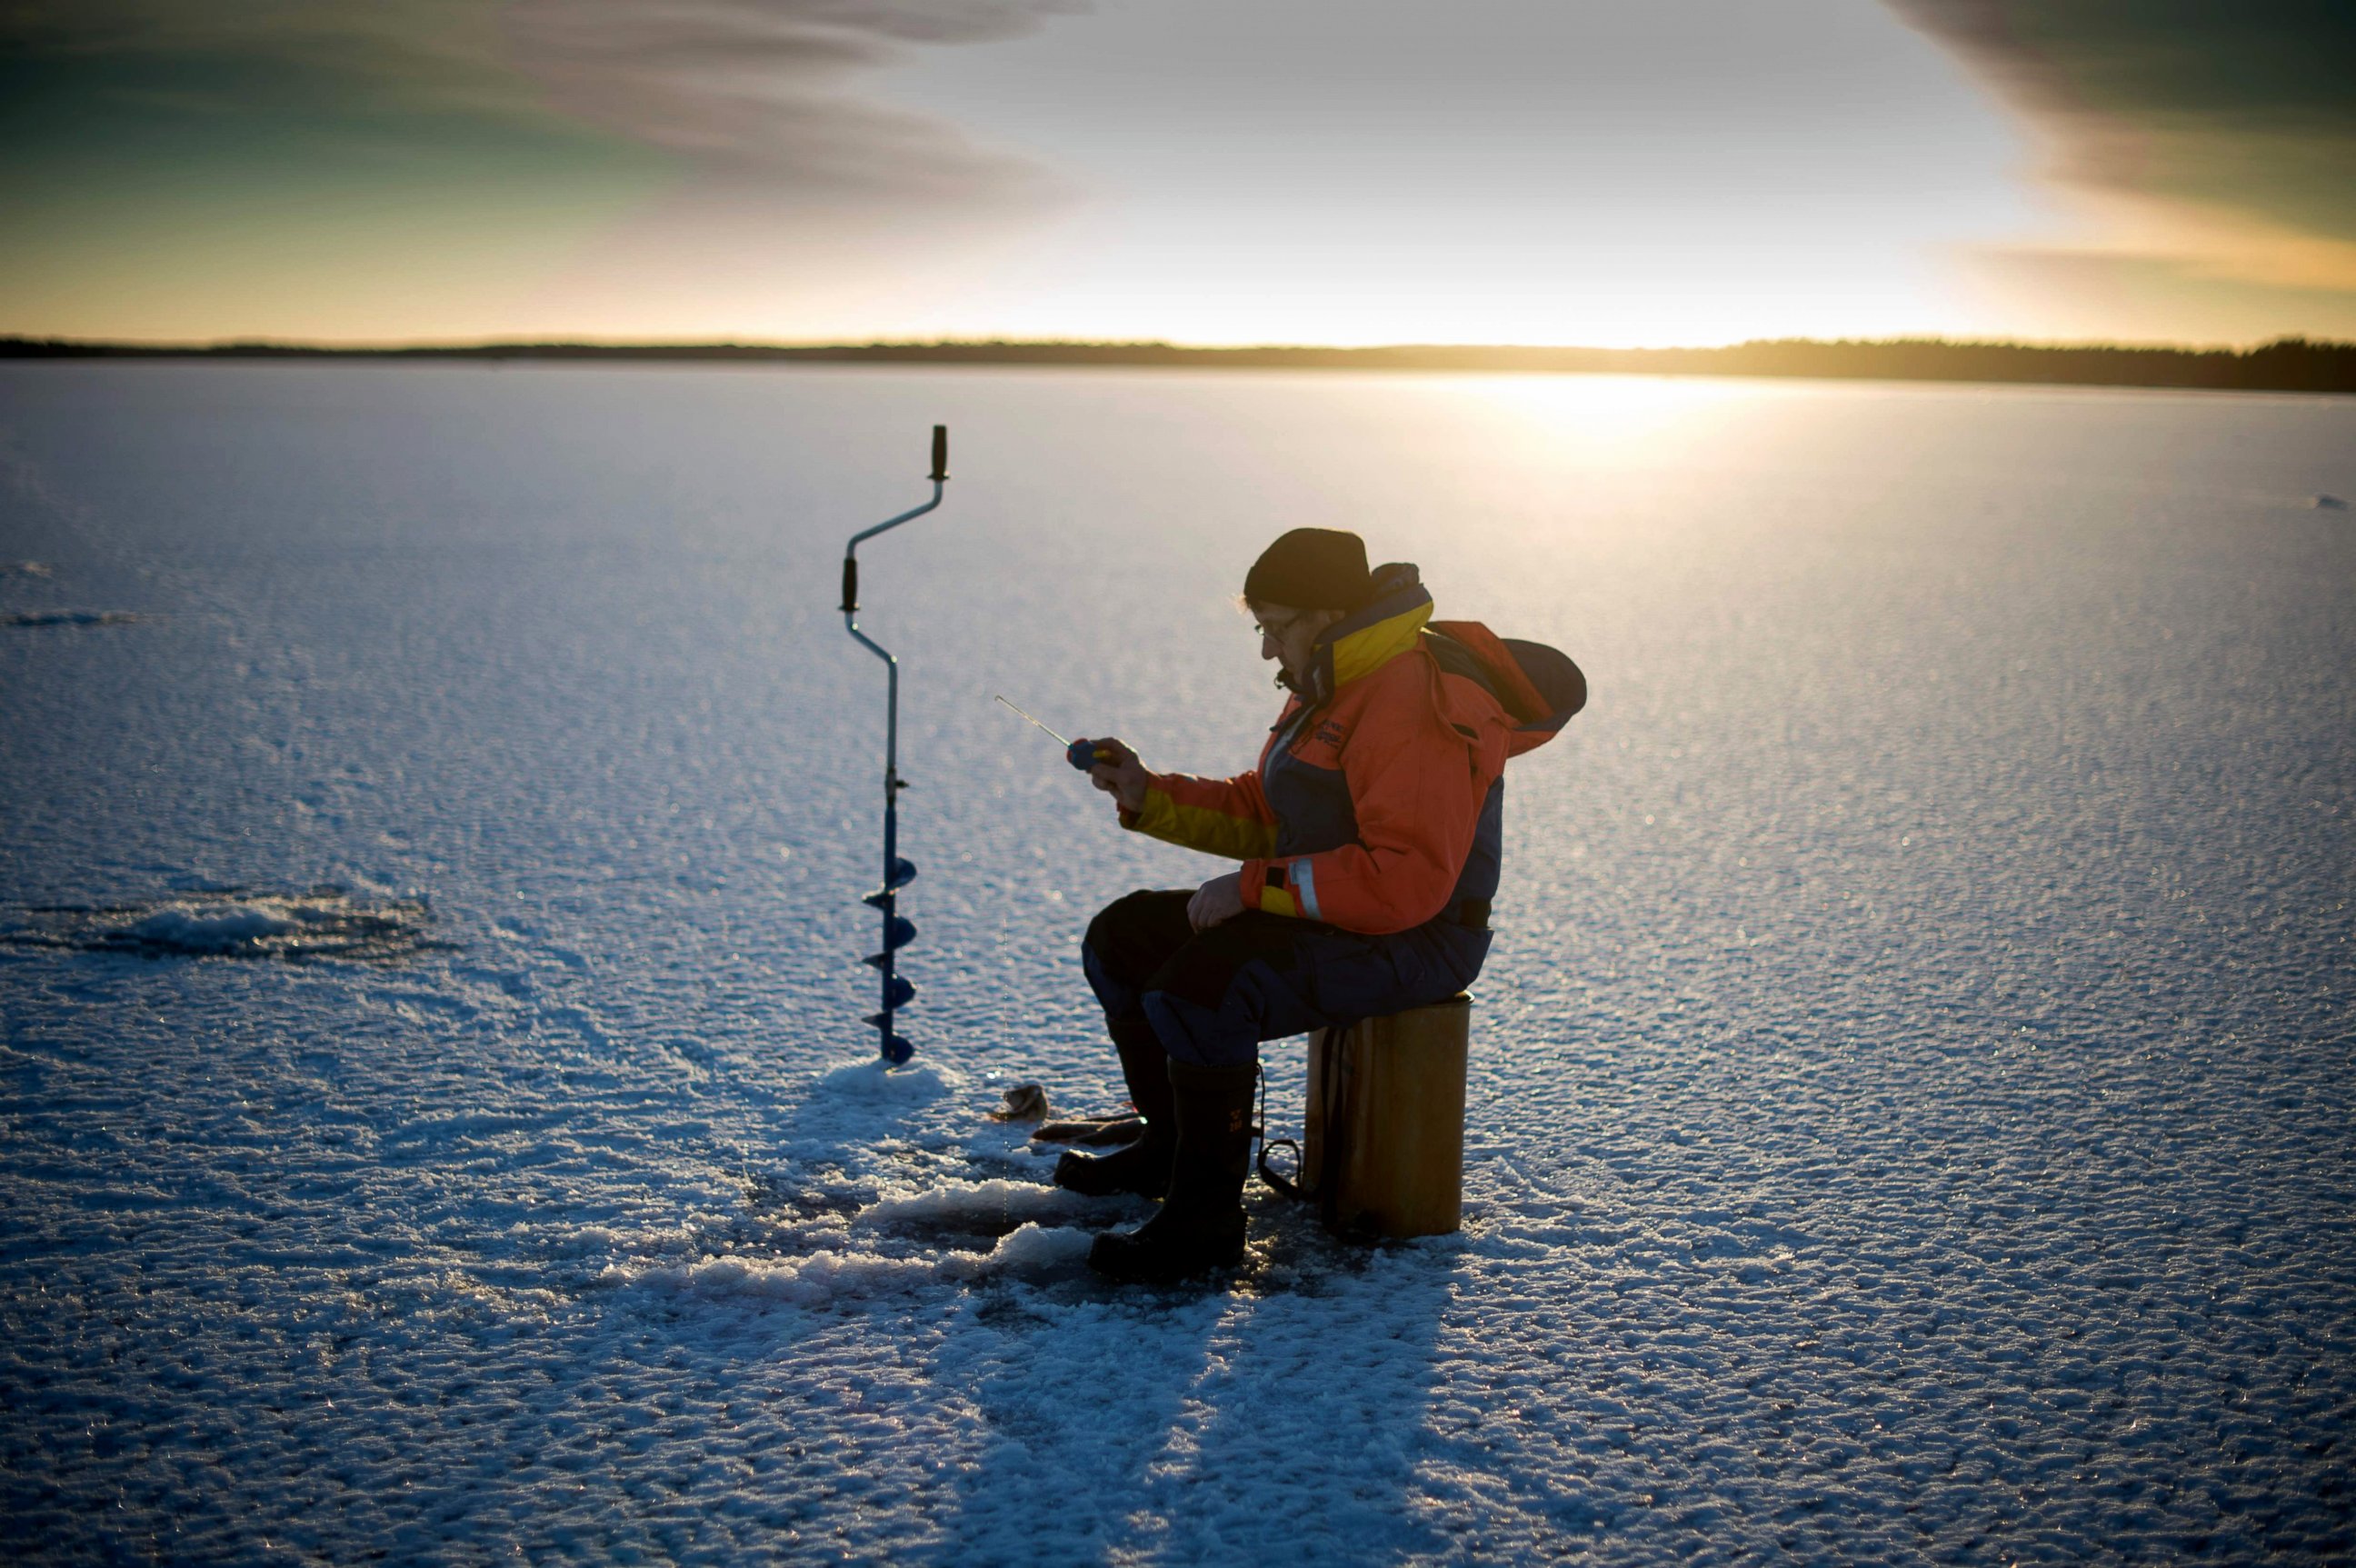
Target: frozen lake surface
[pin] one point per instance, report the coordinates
(1912, 1087)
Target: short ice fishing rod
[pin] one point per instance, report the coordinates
(1081, 754)
(898, 931)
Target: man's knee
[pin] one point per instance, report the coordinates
(1118, 996)
(1128, 939)
(1116, 924)
(1133, 936)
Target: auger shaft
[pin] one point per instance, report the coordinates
(896, 991)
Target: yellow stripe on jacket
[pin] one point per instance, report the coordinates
(1169, 816)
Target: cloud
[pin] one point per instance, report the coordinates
(2213, 138)
(383, 49)
(758, 95)
(761, 96)
(393, 169)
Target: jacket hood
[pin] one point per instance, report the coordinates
(1538, 687)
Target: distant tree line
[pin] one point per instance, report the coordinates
(2289, 364)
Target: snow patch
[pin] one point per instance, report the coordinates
(875, 1079)
(818, 1280)
(838, 1278)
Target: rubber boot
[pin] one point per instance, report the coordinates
(1201, 1224)
(1143, 1167)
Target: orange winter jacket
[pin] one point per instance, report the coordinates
(1377, 803)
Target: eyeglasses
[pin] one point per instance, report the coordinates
(1276, 630)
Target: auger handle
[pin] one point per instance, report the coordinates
(940, 454)
(850, 585)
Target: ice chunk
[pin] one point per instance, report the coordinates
(1032, 1249)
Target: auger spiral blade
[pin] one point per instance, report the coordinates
(899, 990)
(898, 932)
(903, 872)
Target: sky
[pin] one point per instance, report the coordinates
(1629, 173)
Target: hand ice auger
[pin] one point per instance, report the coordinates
(897, 872)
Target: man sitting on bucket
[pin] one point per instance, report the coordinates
(1369, 835)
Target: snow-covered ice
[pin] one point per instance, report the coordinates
(1911, 1114)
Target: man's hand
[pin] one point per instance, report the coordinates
(1220, 899)
(1121, 775)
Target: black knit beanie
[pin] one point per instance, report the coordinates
(1311, 569)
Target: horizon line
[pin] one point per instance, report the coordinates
(11, 340)
(2292, 364)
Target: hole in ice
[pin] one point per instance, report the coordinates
(67, 618)
(324, 923)
(958, 1237)
(768, 1194)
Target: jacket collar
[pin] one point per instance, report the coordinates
(1388, 625)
